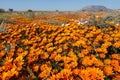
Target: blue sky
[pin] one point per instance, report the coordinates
(56, 4)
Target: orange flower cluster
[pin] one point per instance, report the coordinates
(31, 50)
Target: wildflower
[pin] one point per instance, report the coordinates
(117, 44)
(19, 50)
(108, 70)
(114, 63)
(87, 61)
(91, 74)
(35, 68)
(50, 49)
(64, 74)
(107, 61)
(2, 54)
(102, 55)
(58, 57)
(44, 56)
(59, 50)
(115, 56)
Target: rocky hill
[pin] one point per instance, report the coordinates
(95, 8)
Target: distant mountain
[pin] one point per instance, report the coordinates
(95, 8)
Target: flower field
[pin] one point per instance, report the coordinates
(41, 49)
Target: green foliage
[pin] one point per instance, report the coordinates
(10, 10)
(29, 10)
(1, 19)
(117, 18)
(101, 22)
(56, 23)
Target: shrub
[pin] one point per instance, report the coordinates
(2, 10)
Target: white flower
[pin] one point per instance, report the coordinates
(67, 24)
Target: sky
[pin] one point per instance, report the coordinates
(51, 5)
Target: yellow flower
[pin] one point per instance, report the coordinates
(59, 50)
(50, 49)
(49, 45)
(58, 57)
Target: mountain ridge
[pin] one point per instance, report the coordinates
(95, 8)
